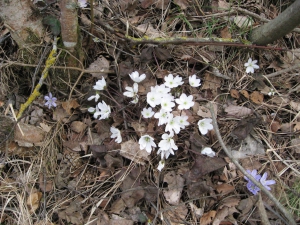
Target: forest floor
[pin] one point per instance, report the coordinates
(60, 165)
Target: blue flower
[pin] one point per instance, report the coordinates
(266, 182)
(262, 179)
(250, 185)
(50, 100)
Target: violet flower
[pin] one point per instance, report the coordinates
(265, 182)
(50, 100)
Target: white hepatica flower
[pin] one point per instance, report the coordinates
(136, 77)
(104, 110)
(100, 85)
(271, 92)
(205, 125)
(147, 113)
(96, 97)
(162, 116)
(171, 81)
(116, 133)
(167, 103)
(91, 109)
(183, 121)
(162, 89)
(193, 81)
(135, 100)
(167, 142)
(251, 65)
(146, 142)
(153, 99)
(184, 101)
(161, 165)
(131, 91)
(164, 154)
(173, 124)
(208, 151)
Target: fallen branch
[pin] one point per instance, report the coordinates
(236, 163)
(50, 61)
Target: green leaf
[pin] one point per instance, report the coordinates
(53, 24)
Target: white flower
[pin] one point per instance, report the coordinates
(164, 154)
(183, 121)
(272, 92)
(172, 82)
(136, 77)
(167, 142)
(173, 124)
(131, 91)
(153, 99)
(162, 116)
(208, 151)
(96, 112)
(251, 65)
(167, 104)
(82, 3)
(116, 133)
(104, 110)
(184, 101)
(135, 100)
(100, 85)
(146, 142)
(205, 125)
(194, 82)
(147, 113)
(162, 89)
(161, 165)
(92, 109)
(96, 97)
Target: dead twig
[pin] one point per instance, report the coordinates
(236, 163)
(283, 71)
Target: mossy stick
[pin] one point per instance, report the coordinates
(36, 92)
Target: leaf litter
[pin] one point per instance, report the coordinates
(82, 176)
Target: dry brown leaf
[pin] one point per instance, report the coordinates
(33, 201)
(225, 33)
(68, 105)
(131, 150)
(244, 127)
(204, 111)
(162, 4)
(235, 93)
(45, 127)
(198, 212)
(140, 128)
(275, 126)
(147, 29)
(60, 114)
(78, 126)
(117, 220)
(211, 82)
(208, 217)
(176, 215)
(257, 97)
(245, 93)
(237, 111)
(224, 188)
(230, 201)
(222, 214)
(175, 186)
(223, 6)
(250, 146)
(45, 184)
(242, 21)
(297, 127)
(295, 144)
(146, 3)
(32, 135)
(100, 65)
(295, 105)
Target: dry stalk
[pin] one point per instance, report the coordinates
(236, 163)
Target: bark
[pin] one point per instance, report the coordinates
(19, 18)
(277, 28)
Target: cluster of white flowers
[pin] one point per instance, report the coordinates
(163, 101)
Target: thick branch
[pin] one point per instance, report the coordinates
(277, 28)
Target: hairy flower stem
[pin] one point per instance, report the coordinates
(228, 153)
